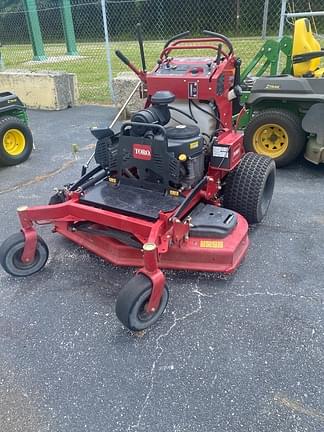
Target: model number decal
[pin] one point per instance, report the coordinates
(194, 145)
(211, 244)
(272, 87)
(220, 151)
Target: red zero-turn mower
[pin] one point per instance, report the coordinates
(161, 196)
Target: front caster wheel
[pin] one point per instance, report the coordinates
(11, 251)
(132, 300)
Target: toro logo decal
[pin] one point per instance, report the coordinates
(142, 151)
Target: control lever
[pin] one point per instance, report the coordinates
(124, 59)
(219, 54)
(178, 36)
(226, 41)
(167, 62)
(141, 45)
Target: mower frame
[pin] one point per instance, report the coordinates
(166, 240)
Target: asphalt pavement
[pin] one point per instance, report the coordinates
(237, 353)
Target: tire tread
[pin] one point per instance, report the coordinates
(244, 185)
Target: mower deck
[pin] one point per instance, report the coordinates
(130, 200)
(199, 253)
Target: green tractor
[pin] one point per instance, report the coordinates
(285, 115)
(16, 139)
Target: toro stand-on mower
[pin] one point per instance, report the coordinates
(161, 196)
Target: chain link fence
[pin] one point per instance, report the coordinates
(306, 6)
(243, 21)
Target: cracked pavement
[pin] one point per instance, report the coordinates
(236, 353)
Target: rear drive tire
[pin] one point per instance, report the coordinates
(249, 187)
(10, 256)
(276, 133)
(131, 302)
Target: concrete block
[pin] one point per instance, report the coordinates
(42, 90)
(124, 84)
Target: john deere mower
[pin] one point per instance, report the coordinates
(16, 140)
(164, 193)
(287, 111)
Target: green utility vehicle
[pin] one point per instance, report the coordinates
(16, 139)
(285, 112)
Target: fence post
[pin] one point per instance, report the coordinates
(265, 19)
(238, 7)
(34, 30)
(281, 27)
(68, 28)
(108, 52)
(1, 60)
(282, 18)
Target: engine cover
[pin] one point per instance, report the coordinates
(186, 144)
(175, 158)
(184, 140)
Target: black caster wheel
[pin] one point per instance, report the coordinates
(10, 256)
(131, 302)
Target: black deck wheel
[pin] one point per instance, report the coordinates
(249, 187)
(16, 141)
(131, 302)
(10, 256)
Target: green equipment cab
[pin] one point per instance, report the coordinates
(16, 140)
(286, 112)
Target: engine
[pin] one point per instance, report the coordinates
(184, 144)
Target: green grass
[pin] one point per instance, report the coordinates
(92, 71)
